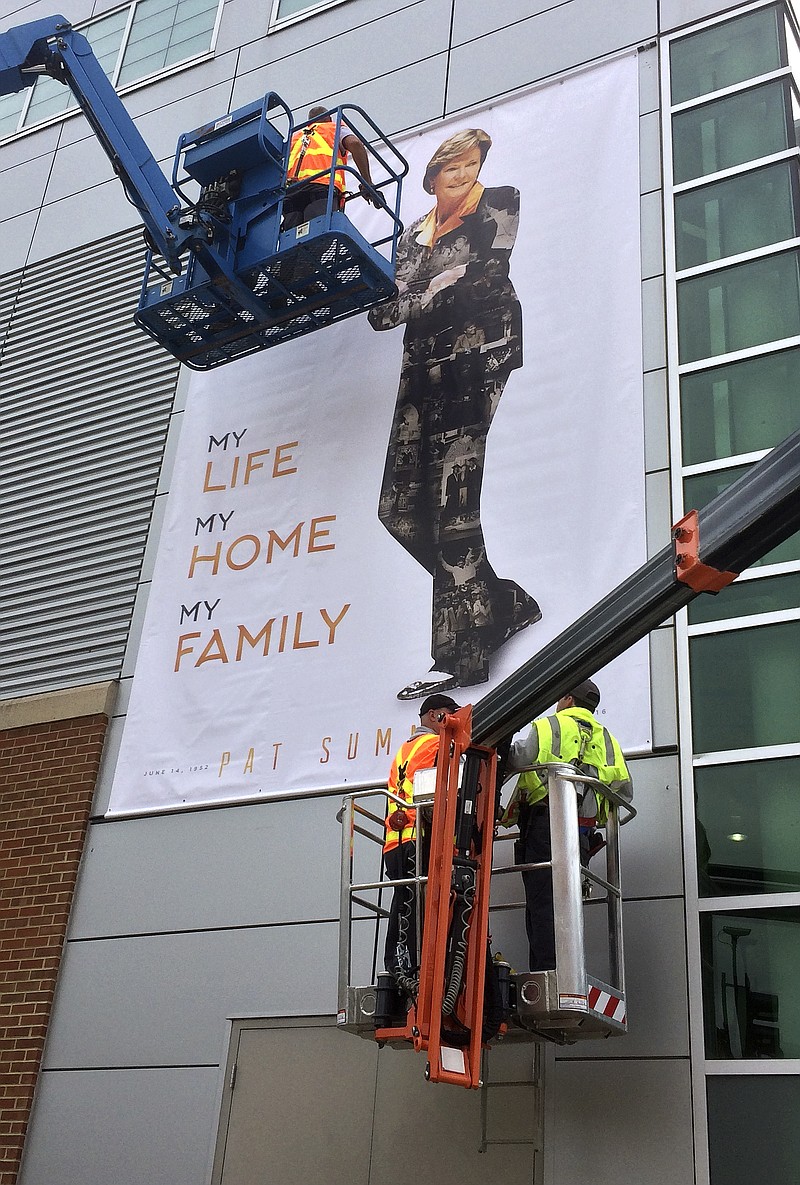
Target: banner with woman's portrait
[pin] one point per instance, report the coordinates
(415, 500)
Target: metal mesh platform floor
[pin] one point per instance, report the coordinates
(312, 285)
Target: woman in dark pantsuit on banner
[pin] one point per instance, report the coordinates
(462, 340)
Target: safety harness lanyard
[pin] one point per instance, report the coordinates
(307, 134)
(402, 768)
(399, 818)
(585, 736)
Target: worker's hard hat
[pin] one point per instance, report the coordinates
(438, 701)
(587, 693)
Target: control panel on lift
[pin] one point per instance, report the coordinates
(464, 999)
(223, 277)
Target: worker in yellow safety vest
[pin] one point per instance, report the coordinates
(311, 154)
(572, 735)
(399, 849)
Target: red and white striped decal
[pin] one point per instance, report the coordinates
(606, 1004)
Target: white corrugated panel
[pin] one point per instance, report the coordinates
(85, 400)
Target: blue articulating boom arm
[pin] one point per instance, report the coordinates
(235, 282)
(51, 46)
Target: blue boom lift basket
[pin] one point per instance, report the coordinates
(222, 278)
(275, 286)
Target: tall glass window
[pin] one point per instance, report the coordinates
(745, 687)
(743, 407)
(752, 1129)
(742, 760)
(739, 307)
(721, 56)
(746, 597)
(742, 214)
(751, 964)
(730, 131)
(748, 827)
(131, 43)
(701, 489)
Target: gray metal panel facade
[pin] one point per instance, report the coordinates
(151, 875)
(183, 922)
(547, 43)
(132, 1128)
(164, 999)
(621, 1121)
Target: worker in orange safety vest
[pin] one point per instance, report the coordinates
(310, 154)
(399, 849)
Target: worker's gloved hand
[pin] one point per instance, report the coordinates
(398, 820)
(368, 197)
(591, 842)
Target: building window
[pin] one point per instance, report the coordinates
(721, 56)
(732, 221)
(753, 1130)
(737, 215)
(164, 34)
(285, 12)
(702, 488)
(730, 131)
(10, 111)
(742, 407)
(49, 97)
(735, 308)
(131, 44)
(751, 960)
(746, 687)
(748, 597)
(748, 830)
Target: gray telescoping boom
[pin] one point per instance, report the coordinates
(709, 549)
(452, 1013)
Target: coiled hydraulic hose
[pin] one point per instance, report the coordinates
(407, 983)
(461, 919)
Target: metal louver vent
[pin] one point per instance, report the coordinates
(85, 400)
(9, 287)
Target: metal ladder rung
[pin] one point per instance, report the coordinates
(486, 1085)
(517, 1144)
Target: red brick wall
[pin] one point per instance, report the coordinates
(47, 777)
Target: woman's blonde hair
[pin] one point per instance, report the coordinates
(454, 146)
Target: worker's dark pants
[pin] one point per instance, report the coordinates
(310, 202)
(401, 931)
(539, 889)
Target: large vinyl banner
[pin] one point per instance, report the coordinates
(419, 498)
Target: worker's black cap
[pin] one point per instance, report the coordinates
(437, 700)
(586, 693)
